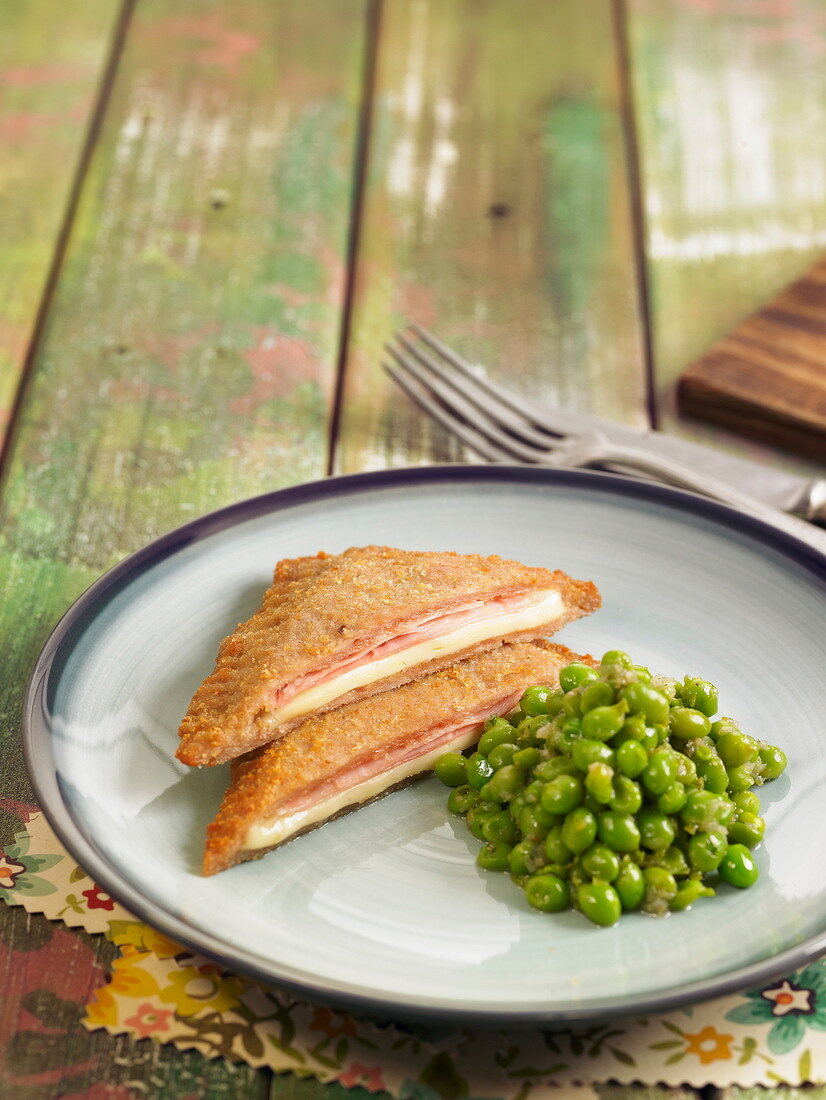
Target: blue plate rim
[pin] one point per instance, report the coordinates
(39, 759)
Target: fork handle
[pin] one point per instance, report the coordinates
(683, 477)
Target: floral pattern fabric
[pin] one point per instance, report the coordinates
(160, 990)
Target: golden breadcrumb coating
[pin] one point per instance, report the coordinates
(327, 609)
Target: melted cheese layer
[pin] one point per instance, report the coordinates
(266, 834)
(508, 622)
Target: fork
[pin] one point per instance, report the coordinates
(503, 427)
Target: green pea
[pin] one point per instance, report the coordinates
(504, 784)
(774, 761)
(672, 799)
(737, 867)
(686, 768)
(587, 751)
(599, 861)
(596, 694)
(653, 736)
(742, 777)
(660, 888)
(702, 750)
(632, 729)
(629, 884)
(547, 892)
(572, 704)
(748, 829)
(643, 673)
(735, 748)
(618, 831)
(688, 892)
(553, 704)
(598, 782)
(525, 759)
(704, 810)
(746, 802)
(631, 758)
(656, 829)
(601, 723)
(685, 723)
(494, 856)
(517, 805)
(556, 848)
(557, 765)
(502, 754)
(533, 792)
(714, 775)
(571, 676)
(461, 799)
(614, 658)
(500, 829)
(723, 725)
(570, 732)
(706, 850)
(645, 700)
(497, 732)
(671, 859)
(700, 695)
(478, 771)
(660, 772)
(525, 858)
(599, 902)
(478, 815)
(579, 830)
(534, 700)
(450, 769)
(533, 730)
(626, 795)
(533, 821)
(562, 794)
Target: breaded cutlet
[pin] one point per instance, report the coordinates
(331, 615)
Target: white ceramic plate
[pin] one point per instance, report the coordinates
(384, 909)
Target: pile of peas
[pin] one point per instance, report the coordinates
(614, 792)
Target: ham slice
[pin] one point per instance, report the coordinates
(339, 760)
(332, 629)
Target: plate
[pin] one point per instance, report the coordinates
(384, 909)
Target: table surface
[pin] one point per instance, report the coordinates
(215, 212)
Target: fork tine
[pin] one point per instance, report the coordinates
(472, 400)
(418, 393)
(469, 413)
(550, 423)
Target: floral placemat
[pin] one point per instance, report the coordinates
(161, 990)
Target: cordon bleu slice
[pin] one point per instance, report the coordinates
(333, 628)
(334, 762)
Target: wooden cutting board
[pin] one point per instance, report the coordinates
(767, 378)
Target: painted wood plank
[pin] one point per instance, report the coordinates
(189, 356)
(731, 116)
(497, 213)
(52, 55)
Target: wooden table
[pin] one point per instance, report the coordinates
(213, 214)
